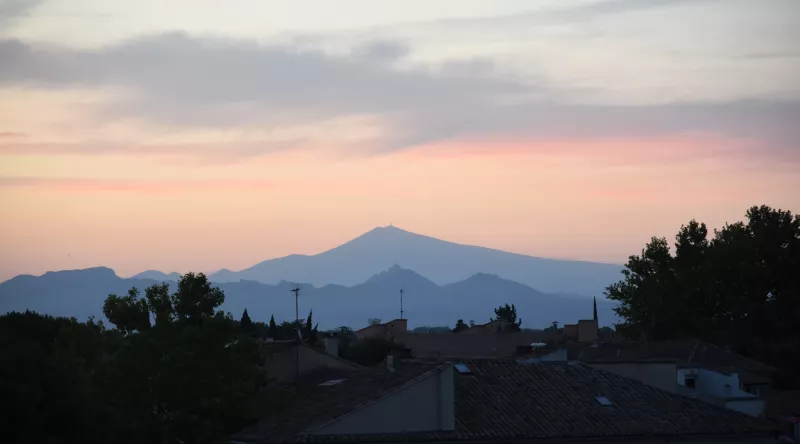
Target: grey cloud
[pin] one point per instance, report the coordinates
(201, 82)
(11, 10)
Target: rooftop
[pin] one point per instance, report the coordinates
(503, 398)
(685, 353)
(500, 400)
(454, 345)
(322, 396)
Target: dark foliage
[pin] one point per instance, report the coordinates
(460, 326)
(185, 378)
(740, 288)
(508, 313)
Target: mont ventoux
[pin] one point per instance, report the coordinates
(361, 279)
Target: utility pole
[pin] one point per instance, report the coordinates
(401, 304)
(296, 291)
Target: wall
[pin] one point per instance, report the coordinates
(713, 383)
(710, 386)
(752, 406)
(656, 374)
(371, 331)
(280, 364)
(428, 405)
(571, 331)
(396, 327)
(587, 330)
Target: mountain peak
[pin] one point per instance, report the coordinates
(400, 277)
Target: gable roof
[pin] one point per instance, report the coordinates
(455, 345)
(687, 353)
(506, 399)
(501, 400)
(313, 405)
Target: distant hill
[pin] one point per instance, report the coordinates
(81, 293)
(440, 261)
(157, 276)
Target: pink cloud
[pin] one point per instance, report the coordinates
(132, 185)
(624, 151)
(12, 135)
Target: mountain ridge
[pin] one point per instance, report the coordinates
(81, 293)
(440, 261)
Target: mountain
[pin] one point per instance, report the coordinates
(81, 293)
(157, 276)
(440, 261)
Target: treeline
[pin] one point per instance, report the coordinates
(738, 287)
(175, 369)
(172, 369)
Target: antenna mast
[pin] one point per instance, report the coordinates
(401, 303)
(296, 291)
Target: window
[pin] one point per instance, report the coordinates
(463, 369)
(689, 381)
(333, 382)
(603, 400)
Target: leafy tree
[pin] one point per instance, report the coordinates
(460, 326)
(508, 313)
(246, 324)
(195, 298)
(740, 288)
(160, 304)
(373, 321)
(128, 313)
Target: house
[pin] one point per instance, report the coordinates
(284, 360)
(495, 400)
(692, 368)
(387, 330)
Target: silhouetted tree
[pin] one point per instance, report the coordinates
(460, 326)
(310, 333)
(128, 313)
(740, 288)
(160, 304)
(246, 324)
(195, 298)
(273, 328)
(508, 313)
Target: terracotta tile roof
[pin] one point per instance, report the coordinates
(312, 405)
(454, 345)
(502, 400)
(685, 353)
(506, 400)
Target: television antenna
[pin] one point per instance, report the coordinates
(401, 302)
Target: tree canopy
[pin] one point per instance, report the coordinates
(460, 326)
(739, 287)
(175, 369)
(508, 313)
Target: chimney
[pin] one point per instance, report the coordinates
(332, 345)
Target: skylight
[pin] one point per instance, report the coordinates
(463, 369)
(603, 400)
(333, 382)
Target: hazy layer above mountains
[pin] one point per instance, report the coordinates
(440, 261)
(81, 293)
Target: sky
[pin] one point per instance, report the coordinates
(192, 135)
